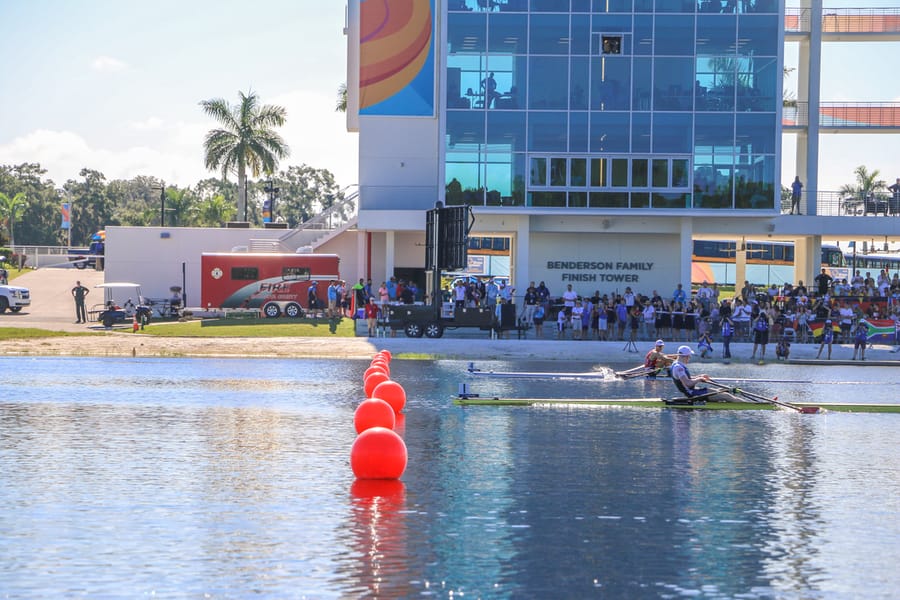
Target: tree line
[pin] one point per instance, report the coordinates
(31, 203)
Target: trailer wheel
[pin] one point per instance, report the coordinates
(79, 264)
(293, 310)
(108, 321)
(414, 330)
(271, 310)
(434, 330)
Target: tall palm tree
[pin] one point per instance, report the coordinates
(867, 183)
(246, 139)
(11, 210)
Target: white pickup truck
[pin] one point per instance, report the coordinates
(14, 298)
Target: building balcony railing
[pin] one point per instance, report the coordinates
(840, 204)
(845, 115)
(845, 20)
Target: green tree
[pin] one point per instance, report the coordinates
(341, 105)
(245, 140)
(92, 208)
(213, 212)
(304, 192)
(867, 184)
(11, 210)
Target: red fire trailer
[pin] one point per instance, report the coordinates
(274, 283)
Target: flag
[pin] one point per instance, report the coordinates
(66, 218)
(817, 328)
(880, 330)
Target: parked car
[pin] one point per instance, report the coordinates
(14, 298)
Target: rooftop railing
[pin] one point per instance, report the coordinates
(845, 20)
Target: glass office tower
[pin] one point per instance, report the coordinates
(613, 104)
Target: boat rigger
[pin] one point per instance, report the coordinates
(668, 403)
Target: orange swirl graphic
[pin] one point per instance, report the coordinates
(395, 39)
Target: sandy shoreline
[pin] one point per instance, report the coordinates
(121, 344)
(52, 309)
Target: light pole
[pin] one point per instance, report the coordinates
(269, 188)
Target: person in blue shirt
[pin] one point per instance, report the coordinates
(679, 295)
(796, 189)
(860, 339)
(827, 338)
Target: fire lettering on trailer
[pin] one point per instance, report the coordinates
(274, 287)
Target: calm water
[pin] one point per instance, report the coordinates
(231, 478)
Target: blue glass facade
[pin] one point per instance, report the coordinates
(652, 104)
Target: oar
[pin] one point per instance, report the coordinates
(760, 398)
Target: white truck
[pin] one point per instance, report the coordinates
(14, 298)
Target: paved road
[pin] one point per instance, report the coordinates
(52, 306)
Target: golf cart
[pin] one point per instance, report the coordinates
(118, 304)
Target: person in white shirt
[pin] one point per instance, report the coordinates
(569, 297)
(577, 323)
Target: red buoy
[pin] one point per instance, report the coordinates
(372, 380)
(386, 354)
(378, 453)
(391, 392)
(373, 369)
(373, 412)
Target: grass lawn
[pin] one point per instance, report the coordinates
(255, 328)
(24, 333)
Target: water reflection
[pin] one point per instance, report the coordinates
(232, 478)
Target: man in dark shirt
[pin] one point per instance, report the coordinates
(823, 282)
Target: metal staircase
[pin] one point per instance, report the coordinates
(337, 218)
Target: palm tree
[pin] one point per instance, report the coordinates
(11, 210)
(246, 139)
(867, 183)
(341, 105)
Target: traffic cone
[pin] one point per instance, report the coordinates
(134, 323)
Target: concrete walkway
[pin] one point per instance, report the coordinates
(52, 306)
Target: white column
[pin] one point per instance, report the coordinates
(388, 255)
(814, 66)
(687, 251)
(807, 259)
(521, 264)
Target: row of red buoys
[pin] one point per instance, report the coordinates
(379, 452)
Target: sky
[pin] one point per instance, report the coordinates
(115, 86)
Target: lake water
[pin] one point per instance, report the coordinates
(231, 478)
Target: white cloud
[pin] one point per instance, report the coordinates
(108, 64)
(148, 124)
(173, 150)
(64, 153)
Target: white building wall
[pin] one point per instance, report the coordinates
(398, 167)
(153, 256)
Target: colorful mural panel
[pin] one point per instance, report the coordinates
(396, 72)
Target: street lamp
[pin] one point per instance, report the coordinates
(269, 204)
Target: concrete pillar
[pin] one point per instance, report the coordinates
(814, 68)
(521, 263)
(740, 265)
(389, 259)
(807, 259)
(687, 251)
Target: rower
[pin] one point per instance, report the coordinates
(656, 359)
(682, 377)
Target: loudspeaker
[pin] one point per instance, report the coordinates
(448, 229)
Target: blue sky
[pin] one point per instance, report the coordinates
(115, 86)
